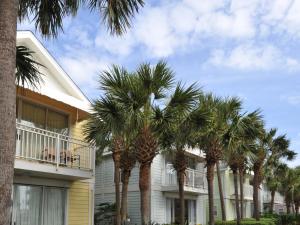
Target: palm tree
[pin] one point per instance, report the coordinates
(279, 149)
(106, 128)
(241, 130)
(273, 175)
(290, 181)
(260, 148)
(210, 139)
(173, 119)
(48, 16)
(140, 96)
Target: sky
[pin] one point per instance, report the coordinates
(249, 49)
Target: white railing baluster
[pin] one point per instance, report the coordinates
(57, 152)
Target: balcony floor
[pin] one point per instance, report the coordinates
(36, 168)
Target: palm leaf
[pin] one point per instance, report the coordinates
(27, 70)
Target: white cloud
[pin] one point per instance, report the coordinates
(116, 45)
(252, 57)
(84, 70)
(291, 99)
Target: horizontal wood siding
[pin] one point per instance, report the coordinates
(79, 204)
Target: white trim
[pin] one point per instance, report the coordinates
(38, 181)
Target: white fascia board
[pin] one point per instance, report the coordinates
(76, 98)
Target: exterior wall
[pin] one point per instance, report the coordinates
(158, 200)
(80, 203)
(104, 188)
(104, 191)
(228, 190)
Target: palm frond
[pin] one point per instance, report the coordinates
(117, 14)
(27, 69)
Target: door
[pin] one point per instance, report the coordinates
(38, 205)
(173, 211)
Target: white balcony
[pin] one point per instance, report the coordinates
(54, 153)
(195, 181)
(278, 198)
(248, 192)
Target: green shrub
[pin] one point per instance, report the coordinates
(249, 221)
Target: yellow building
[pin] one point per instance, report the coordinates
(54, 167)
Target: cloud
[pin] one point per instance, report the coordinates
(291, 99)
(252, 57)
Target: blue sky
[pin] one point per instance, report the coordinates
(249, 49)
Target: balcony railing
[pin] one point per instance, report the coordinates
(50, 147)
(193, 178)
(277, 197)
(248, 191)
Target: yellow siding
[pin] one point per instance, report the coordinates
(79, 204)
(76, 130)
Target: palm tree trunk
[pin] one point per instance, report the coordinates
(241, 174)
(117, 158)
(210, 184)
(124, 202)
(272, 201)
(180, 176)
(297, 208)
(255, 194)
(144, 184)
(293, 203)
(8, 27)
(221, 192)
(236, 196)
(288, 206)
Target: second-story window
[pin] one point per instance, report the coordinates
(42, 117)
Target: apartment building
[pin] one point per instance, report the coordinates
(54, 167)
(164, 190)
(264, 196)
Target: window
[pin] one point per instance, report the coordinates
(38, 205)
(41, 117)
(33, 115)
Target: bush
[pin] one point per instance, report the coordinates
(249, 221)
(289, 219)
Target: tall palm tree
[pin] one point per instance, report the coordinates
(279, 149)
(141, 96)
(172, 120)
(260, 148)
(110, 126)
(242, 129)
(48, 16)
(273, 175)
(210, 139)
(106, 128)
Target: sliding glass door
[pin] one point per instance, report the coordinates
(173, 211)
(38, 205)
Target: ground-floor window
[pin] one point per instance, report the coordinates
(173, 211)
(38, 205)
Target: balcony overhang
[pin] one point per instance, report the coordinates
(40, 169)
(190, 190)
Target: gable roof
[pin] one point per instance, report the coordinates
(56, 84)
